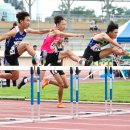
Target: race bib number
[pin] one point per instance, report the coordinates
(54, 46)
(96, 47)
(12, 50)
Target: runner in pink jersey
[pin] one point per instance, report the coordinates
(49, 44)
(60, 77)
(52, 44)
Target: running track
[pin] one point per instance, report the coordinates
(22, 109)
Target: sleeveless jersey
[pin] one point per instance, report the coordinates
(11, 43)
(96, 45)
(49, 43)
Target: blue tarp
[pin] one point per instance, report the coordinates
(124, 33)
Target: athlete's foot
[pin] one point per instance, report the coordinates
(60, 105)
(22, 83)
(82, 62)
(45, 83)
(89, 61)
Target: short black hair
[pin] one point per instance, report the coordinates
(22, 15)
(58, 19)
(34, 45)
(112, 26)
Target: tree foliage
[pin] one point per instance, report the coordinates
(127, 12)
(80, 10)
(16, 3)
(115, 10)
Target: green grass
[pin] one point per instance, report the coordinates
(88, 92)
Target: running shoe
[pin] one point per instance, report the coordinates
(45, 83)
(22, 83)
(89, 61)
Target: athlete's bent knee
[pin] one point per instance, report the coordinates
(15, 78)
(61, 84)
(69, 52)
(66, 86)
(26, 45)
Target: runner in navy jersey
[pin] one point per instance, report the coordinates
(104, 44)
(15, 47)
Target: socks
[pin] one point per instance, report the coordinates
(81, 62)
(26, 80)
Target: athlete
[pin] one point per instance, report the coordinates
(14, 47)
(53, 45)
(59, 75)
(96, 47)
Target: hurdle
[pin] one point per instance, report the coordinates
(32, 92)
(108, 111)
(89, 113)
(72, 115)
(13, 120)
(113, 111)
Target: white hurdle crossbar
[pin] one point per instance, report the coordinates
(64, 67)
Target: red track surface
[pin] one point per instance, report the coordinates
(21, 109)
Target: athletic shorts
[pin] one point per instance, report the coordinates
(12, 59)
(88, 52)
(60, 72)
(52, 58)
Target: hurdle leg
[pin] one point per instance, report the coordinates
(118, 64)
(38, 91)
(106, 87)
(77, 91)
(71, 91)
(90, 74)
(32, 92)
(110, 90)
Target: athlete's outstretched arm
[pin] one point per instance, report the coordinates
(106, 37)
(38, 31)
(69, 34)
(8, 35)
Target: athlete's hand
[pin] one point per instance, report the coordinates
(123, 51)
